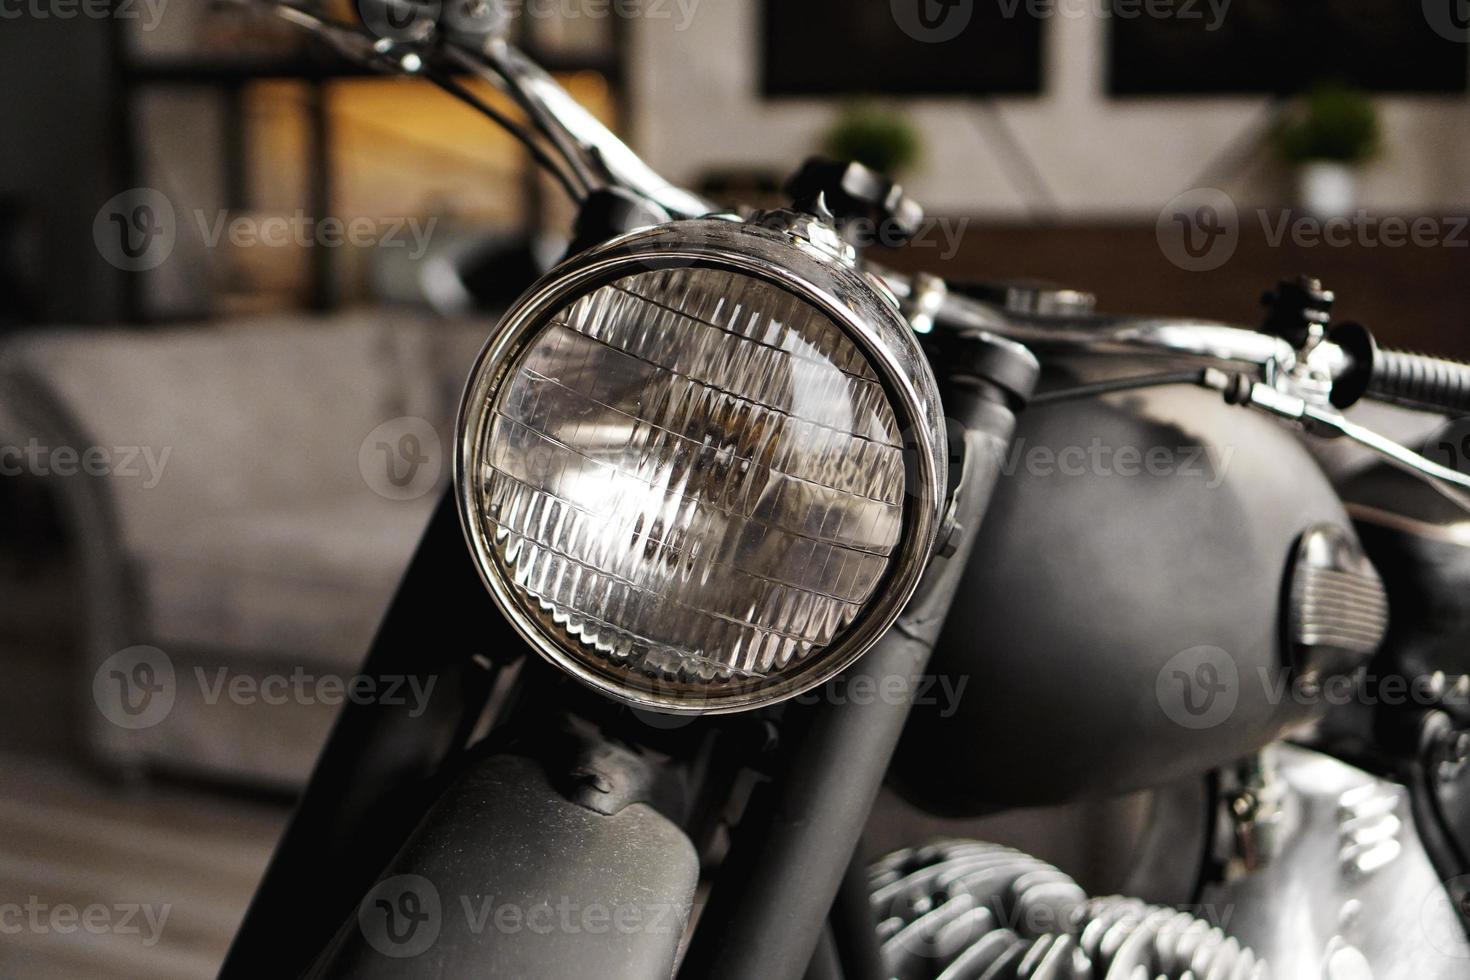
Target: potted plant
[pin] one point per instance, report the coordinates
(1327, 137)
(878, 138)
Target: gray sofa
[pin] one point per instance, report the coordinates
(233, 517)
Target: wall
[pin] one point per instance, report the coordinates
(57, 123)
(696, 105)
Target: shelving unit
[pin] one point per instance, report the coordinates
(317, 68)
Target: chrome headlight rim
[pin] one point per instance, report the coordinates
(870, 321)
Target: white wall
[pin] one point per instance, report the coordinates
(697, 106)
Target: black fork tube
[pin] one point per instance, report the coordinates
(369, 786)
(792, 849)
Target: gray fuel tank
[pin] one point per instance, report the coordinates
(1123, 621)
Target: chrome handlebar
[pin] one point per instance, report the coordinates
(1207, 342)
(1270, 374)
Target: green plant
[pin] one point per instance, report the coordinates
(1333, 123)
(877, 138)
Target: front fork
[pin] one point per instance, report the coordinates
(407, 799)
(770, 904)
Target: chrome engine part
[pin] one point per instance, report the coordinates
(966, 910)
(1343, 885)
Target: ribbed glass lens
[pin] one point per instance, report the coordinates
(692, 476)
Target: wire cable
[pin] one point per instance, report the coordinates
(1113, 385)
(360, 46)
(484, 69)
(537, 151)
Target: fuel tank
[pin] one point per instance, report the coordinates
(1134, 609)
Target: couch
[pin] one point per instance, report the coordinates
(231, 513)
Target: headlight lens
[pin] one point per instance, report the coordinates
(689, 482)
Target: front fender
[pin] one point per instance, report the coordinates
(505, 877)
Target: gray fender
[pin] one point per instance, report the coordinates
(507, 878)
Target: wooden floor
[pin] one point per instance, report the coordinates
(103, 881)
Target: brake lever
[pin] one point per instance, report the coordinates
(1240, 389)
(347, 40)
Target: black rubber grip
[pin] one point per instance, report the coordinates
(1421, 381)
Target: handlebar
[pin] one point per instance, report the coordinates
(1206, 342)
(1420, 381)
(1305, 382)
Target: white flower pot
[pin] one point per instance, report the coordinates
(1326, 189)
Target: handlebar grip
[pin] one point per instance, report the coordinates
(1421, 381)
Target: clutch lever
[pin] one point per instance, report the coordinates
(1240, 389)
(348, 40)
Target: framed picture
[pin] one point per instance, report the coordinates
(1275, 46)
(903, 47)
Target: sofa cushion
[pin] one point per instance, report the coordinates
(308, 583)
(259, 414)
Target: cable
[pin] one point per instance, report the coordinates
(558, 138)
(360, 46)
(1116, 384)
(505, 122)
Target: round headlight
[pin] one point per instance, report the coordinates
(701, 467)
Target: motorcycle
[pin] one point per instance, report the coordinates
(729, 496)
